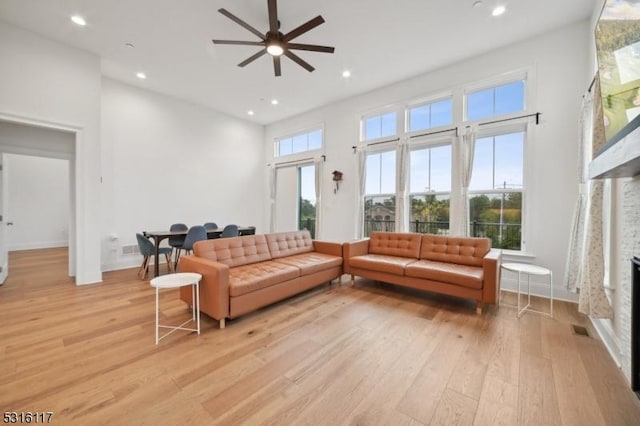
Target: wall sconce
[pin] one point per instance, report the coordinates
(337, 178)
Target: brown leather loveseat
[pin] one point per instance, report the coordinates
(242, 274)
(462, 267)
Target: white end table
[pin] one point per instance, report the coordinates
(528, 270)
(175, 281)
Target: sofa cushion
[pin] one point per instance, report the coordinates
(381, 263)
(310, 263)
(249, 278)
(395, 244)
(235, 251)
(460, 250)
(462, 275)
(283, 244)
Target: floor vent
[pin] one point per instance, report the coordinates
(579, 330)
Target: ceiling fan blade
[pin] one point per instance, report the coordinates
(311, 47)
(273, 16)
(252, 58)
(245, 43)
(307, 26)
(298, 60)
(276, 66)
(240, 22)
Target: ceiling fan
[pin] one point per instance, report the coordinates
(274, 42)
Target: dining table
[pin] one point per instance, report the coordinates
(158, 236)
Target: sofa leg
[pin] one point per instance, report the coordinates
(353, 280)
(222, 323)
(478, 308)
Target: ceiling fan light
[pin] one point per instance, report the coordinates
(274, 49)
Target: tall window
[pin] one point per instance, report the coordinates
(494, 101)
(307, 198)
(427, 116)
(496, 189)
(380, 190)
(300, 142)
(379, 126)
(430, 189)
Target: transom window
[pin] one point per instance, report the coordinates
(300, 142)
(379, 126)
(494, 101)
(427, 116)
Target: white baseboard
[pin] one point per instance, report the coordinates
(608, 337)
(39, 245)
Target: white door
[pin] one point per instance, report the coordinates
(4, 254)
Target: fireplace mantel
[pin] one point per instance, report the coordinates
(620, 160)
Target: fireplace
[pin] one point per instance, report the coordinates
(635, 325)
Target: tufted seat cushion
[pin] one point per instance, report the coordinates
(310, 263)
(395, 244)
(235, 251)
(463, 275)
(249, 278)
(381, 263)
(283, 244)
(462, 251)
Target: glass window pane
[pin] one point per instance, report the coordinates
(419, 172)
(315, 140)
(284, 146)
(379, 214)
(372, 180)
(419, 118)
(482, 172)
(388, 172)
(509, 98)
(307, 198)
(509, 160)
(388, 124)
(480, 104)
(441, 168)
(499, 217)
(300, 143)
(442, 113)
(372, 128)
(429, 214)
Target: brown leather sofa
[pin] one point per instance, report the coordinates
(462, 267)
(242, 274)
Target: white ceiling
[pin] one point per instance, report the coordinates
(380, 41)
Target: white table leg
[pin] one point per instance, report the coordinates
(157, 313)
(197, 287)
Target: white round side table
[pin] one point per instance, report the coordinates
(180, 279)
(528, 270)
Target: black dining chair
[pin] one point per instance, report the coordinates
(147, 250)
(210, 226)
(177, 241)
(195, 234)
(230, 231)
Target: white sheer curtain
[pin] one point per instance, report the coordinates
(272, 198)
(362, 159)
(466, 150)
(585, 264)
(319, 170)
(402, 180)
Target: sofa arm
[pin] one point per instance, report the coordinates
(491, 267)
(214, 286)
(327, 247)
(354, 248)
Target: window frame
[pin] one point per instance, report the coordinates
(379, 113)
(294, 155)
(428, 101)
(493, 83)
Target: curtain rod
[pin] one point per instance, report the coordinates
(593, 82)
(536, 115)
(302, 160)
(434, 133)
(354, 147)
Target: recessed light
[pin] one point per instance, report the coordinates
(141, 75)
(250, 112)
(346, 73)
(78, 20)
(498, 10)
(274, 102)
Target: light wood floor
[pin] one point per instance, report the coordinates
(369, 354)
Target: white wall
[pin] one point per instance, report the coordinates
(50, 84)
(168, 161)
(38, 202)
(558, 61)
